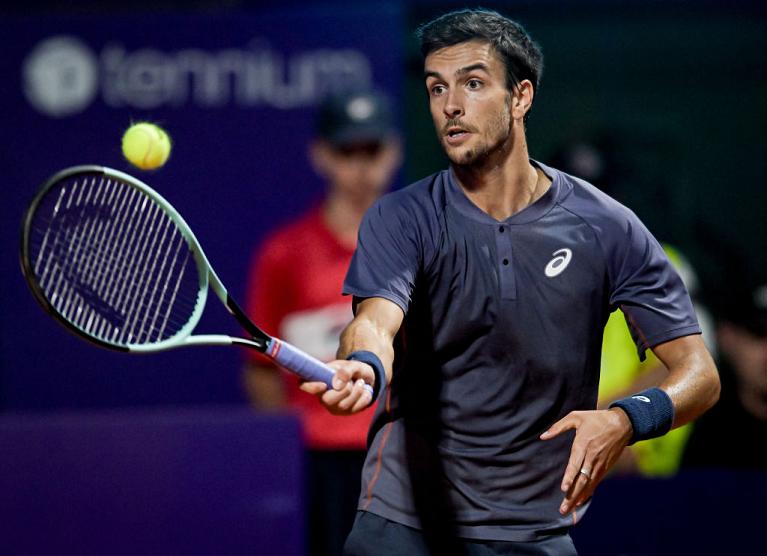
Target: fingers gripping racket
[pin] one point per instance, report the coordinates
(114, 262)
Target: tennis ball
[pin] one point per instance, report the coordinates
(146, 145)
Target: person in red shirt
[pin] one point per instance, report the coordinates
(294, 291)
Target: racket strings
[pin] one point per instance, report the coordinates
(133, 268)
(104, 269)
(63, 292)
(112, 262)
(115, 297)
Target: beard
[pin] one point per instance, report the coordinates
(497, 139)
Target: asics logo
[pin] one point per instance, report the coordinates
(558, 263)
(644, 399)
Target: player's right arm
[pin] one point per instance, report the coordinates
(376, 323)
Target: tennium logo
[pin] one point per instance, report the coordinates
(62, 76)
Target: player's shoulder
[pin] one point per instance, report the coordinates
(423, 198)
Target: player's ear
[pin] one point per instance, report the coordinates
(522, 99)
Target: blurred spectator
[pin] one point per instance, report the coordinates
(597, 158)
(622, 373)
(729, 435)
(295, 293)
(603, 161)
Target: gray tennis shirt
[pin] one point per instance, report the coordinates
(502, 337)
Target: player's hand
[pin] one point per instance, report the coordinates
(348, 394)
(600, 437)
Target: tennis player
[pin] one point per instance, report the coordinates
(481, 293)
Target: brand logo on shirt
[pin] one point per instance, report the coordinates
(558, 263)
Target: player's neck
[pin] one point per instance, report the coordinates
(343, 214)
(502, 188)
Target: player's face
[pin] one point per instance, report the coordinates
(469, 101)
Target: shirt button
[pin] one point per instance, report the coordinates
(501, 229)
(505, 262)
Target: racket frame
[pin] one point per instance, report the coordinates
(207, 277)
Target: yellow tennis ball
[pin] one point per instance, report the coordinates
(146, 145)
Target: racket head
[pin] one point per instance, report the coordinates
(112, 260)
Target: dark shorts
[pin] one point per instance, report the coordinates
(373, 535)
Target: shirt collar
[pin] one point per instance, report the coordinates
(539, 208)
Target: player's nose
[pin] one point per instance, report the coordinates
(453, 107)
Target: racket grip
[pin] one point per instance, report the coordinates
(304, 365)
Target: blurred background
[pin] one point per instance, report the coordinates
(661, 103)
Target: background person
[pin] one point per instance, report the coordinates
(724, 438)
(295, 292)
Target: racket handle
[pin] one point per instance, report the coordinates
(304, 365)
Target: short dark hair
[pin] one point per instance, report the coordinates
(521, 56)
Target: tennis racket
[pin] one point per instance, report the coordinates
(113, 261)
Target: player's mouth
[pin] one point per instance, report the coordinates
(456, 135)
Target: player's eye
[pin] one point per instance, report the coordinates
(437, 89)
(474, 84)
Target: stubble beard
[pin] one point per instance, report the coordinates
(499, 141)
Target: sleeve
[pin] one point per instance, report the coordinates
(265, 296)
(648, 289)
(388, 255)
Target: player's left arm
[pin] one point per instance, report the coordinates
(692, 386)
(693, 380)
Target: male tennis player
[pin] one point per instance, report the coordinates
(481, 293)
